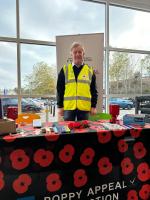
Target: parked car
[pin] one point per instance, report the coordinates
(130, 99)
(36, 102)
(25, 104)
(123, 103)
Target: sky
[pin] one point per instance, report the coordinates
(44, 19)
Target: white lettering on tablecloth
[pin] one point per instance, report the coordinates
(132, 181)
(114, 196)
(98, 192)
(106, 187)
(64, 196)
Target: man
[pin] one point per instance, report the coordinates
(76, 88)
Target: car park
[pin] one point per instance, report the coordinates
(27, 106)
(123, 103)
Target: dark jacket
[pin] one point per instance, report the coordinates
(61, 87)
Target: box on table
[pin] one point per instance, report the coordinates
(130, 119)
(7, 126)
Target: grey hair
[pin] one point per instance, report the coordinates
(76, 44)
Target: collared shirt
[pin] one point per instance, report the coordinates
(77, 70)
(61, 86)
(77, 65)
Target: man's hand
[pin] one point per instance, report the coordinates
(93, 111)
(60, 114)
(60, 111)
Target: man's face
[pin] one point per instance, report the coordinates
(77, 54)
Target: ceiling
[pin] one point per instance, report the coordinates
(138, 4)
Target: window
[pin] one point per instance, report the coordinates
(60, 17)
(38, 68)
(8, 68)
(129, 28)
(129, 74)
(8, 18)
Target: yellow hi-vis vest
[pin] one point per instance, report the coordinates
(77, 94)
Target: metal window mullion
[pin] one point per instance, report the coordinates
(18, 56)
(7, 39)
(26, 95)
(107, 54)
(27, 41)
(136, 8)
(96, 1)
(141, 81)
(47, 43)
(38, 42)
(129, 50)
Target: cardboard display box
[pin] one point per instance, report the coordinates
(7, 126)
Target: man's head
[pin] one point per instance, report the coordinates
(77, 53)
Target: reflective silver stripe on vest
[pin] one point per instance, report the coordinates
(71, 81)
(90, 75)
(77, 98)
(79, 81)
(84, 81)
(66, 75)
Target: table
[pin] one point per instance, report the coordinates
(89, 164)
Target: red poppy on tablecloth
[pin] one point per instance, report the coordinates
(104, 136)
(132, 195)
(51, 137)
(80, 178)
(104, 165)
(144, 192)
(143, 172)
(43, 157)
(122, 146)
(119, 133)
(127, 166)
(66, 154)
(21, 185)
(53, 182)
(19, 159)
(135, 133)
(139, 150)
(87, 156)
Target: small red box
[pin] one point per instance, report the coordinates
(12, 112)
(114, 110)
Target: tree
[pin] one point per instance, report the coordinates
(42, 80)
(118, 68)
(136, 82)
(145, 69)
(145, 63)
